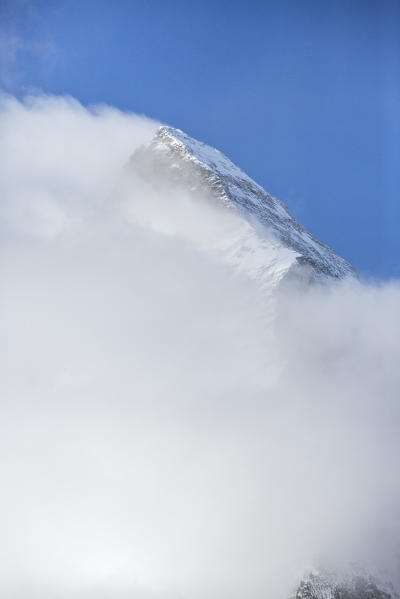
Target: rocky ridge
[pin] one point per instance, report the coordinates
(271, 244)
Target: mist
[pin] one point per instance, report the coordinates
(168, 427)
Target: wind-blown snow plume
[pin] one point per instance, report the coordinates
(167, 427)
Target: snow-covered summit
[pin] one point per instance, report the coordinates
(270, 234)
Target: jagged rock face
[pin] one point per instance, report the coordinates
(269, 231)
(330, 586)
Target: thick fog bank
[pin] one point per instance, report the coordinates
(167, 427)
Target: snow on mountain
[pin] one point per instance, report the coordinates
(352, 585)
(266, 243)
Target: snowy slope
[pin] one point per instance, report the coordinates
(352, 585)
(269, 243)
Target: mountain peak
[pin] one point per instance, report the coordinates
(193, 164)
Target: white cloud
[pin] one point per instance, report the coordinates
(160, 436)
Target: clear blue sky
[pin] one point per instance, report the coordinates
(304, 95)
